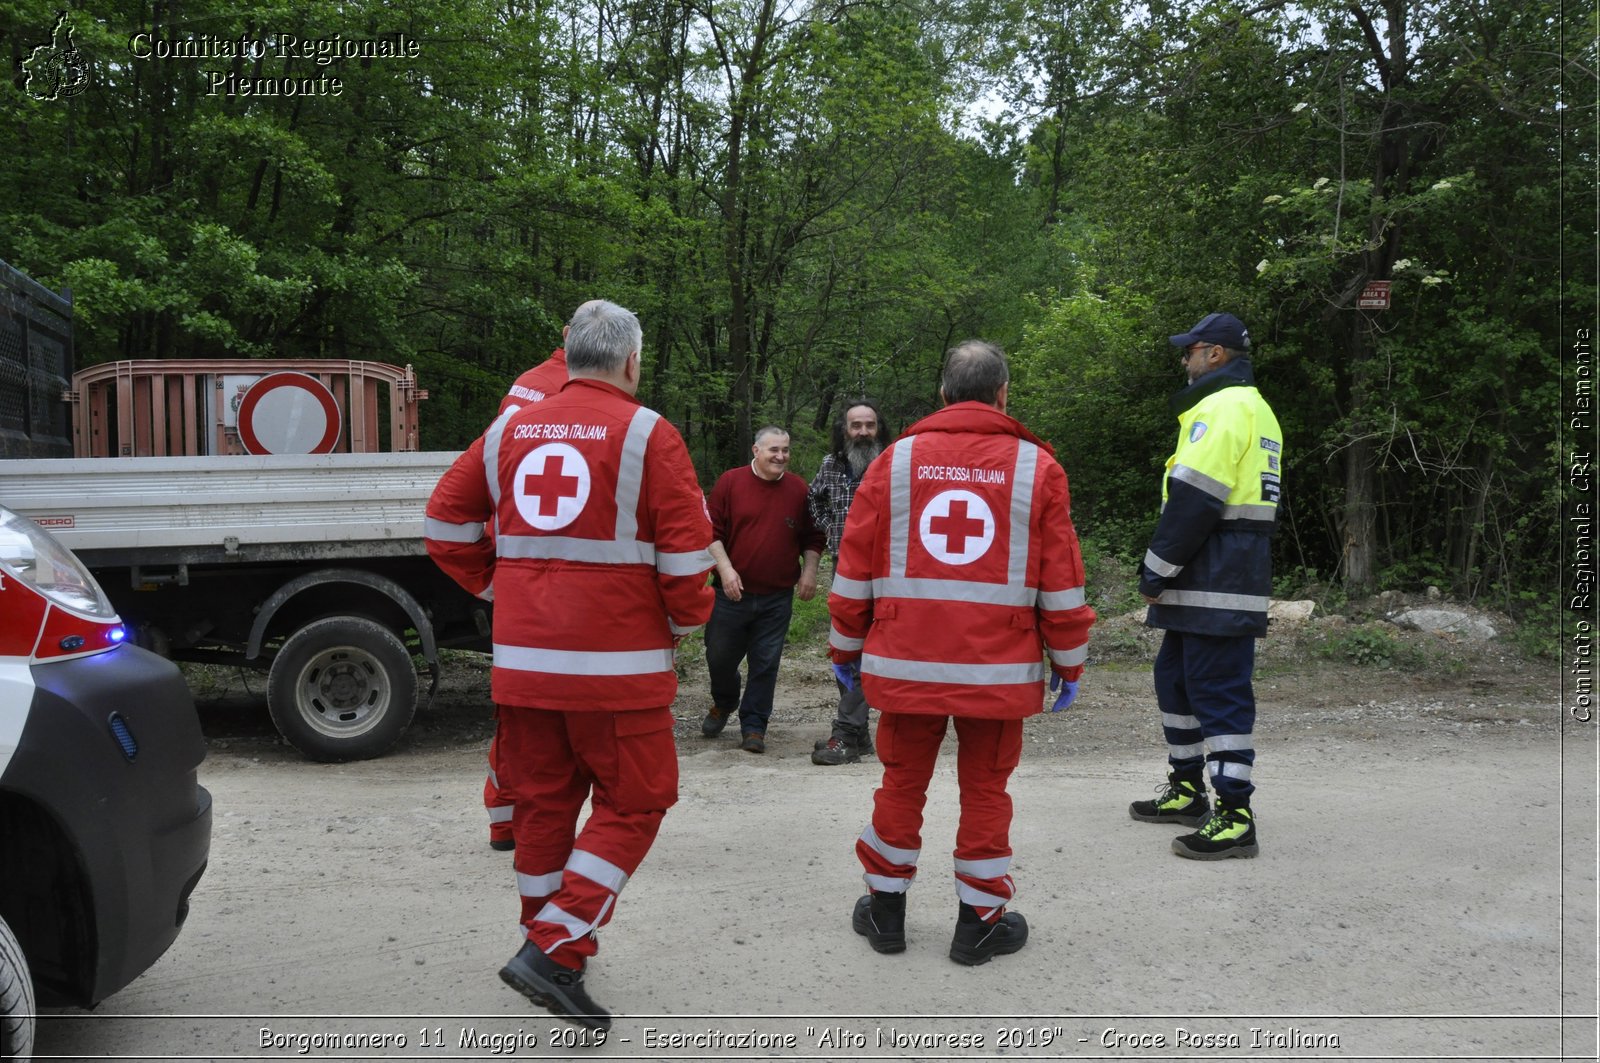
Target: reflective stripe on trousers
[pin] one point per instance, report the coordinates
(1204, 688)
(986, 753)
(551, 762)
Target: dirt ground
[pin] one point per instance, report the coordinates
(1426, 887)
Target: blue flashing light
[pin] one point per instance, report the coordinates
(117, 634)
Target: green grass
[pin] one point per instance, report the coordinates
(1371, 645)
(809, 621)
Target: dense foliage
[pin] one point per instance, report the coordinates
(806, 200)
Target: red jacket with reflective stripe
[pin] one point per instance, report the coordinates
(959, 573)
(599, 554)
(538, 383)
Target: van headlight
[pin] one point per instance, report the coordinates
(29, 553)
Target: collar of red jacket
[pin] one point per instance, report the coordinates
(978, 417)
(591, 382)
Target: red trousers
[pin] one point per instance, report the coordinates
(550, 762)
(987, 752)
(496, 801)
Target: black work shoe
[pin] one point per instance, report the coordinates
(881, 919)
(554, 987)
(1181, 800)
(754, 742)
(977, 942)
(836, 750)
(716, 719)
(502, 845)
(862, 742)
(1226, 832)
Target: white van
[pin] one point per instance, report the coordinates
(104, 827)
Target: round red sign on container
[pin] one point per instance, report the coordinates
(288, 413)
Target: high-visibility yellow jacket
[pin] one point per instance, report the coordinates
(1209, 564)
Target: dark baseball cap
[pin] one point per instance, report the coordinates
(1216, 328)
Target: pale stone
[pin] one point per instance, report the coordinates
(1447, 622)
(1291, 612)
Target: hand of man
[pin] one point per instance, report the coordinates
(848, 675)
(732, 585)
(808, 576)
(1069, 693)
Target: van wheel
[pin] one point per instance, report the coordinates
(16, 999)
(342, 688)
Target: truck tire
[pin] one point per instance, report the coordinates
(342, 688)
(16, 999)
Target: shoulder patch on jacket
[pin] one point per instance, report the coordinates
(1197, 430)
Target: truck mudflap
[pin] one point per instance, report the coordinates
(110, 747)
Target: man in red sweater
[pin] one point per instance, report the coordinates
(761, 525)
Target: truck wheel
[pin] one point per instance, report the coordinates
(342, 688)
(16, 999)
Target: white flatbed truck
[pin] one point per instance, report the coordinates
(260, 512)
(308, 566)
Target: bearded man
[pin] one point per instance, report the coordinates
(859, 435)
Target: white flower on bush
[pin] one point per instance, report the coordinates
(1402, 264)
(1431, 279)
(1297, 108)
(1261, 267)
(1320, 182)
(1440, 186)
(1273, 199)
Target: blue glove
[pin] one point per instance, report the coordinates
(848, 675)
(1069, 693)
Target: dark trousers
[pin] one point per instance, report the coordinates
(750, 630)
(1208, 708)
(851, 719)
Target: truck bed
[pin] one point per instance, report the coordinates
(153, 511)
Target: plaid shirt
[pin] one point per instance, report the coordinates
(832, 491)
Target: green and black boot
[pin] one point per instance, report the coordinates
(1182, 800)
(1229, 831)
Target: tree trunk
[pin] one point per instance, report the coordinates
(1360, 471)
(1391, 171)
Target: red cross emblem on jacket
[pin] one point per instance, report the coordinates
(552, 486)
(957, 527)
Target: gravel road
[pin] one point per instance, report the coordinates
(1426, 888)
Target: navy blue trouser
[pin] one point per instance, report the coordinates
(751, 629)
(1208, 708)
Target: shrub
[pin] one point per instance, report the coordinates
(1371, 645)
